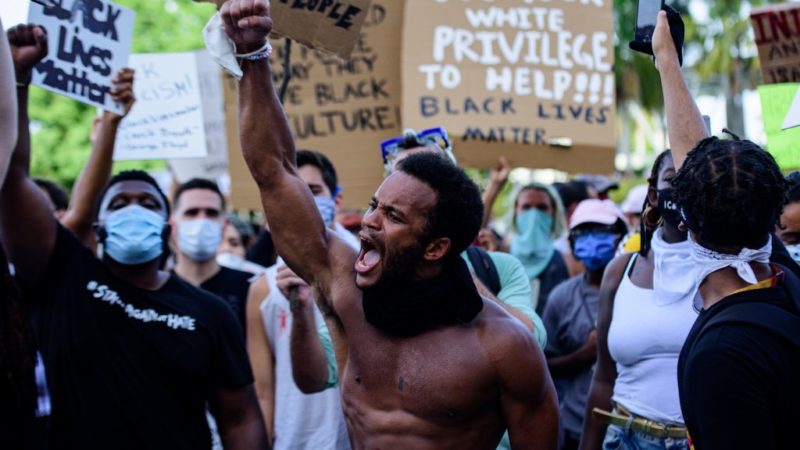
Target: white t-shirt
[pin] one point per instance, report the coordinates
(302, 421)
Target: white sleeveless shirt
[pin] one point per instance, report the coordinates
(645, 339)
(302, 421)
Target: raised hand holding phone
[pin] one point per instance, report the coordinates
(646, 21)
(646, 16)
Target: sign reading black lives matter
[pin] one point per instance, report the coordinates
(531, 80)
(89, 42)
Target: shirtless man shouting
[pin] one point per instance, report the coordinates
(425, 361)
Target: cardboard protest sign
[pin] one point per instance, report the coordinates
(342, 109)
(777, 30)
(215, 164)
(330, 25)
(776, 99)
(89, 42)
(531, 81)
(333, 26)
(166, 122)
(245, 195)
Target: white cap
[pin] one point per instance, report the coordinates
(634, 202)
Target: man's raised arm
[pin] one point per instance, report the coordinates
(8, 107)
(685, 124)
(268, 146)
(79, 218)
(28, 226)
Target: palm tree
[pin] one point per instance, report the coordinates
(728, 54)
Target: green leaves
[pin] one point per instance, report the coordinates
(61, 127)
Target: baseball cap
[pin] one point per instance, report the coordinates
(602, 184)
(604, 212)
(634, 202)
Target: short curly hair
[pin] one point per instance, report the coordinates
(323, 164)
(731, 193)
(131, 175)
(458, 211)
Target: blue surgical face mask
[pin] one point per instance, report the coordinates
(134, 235)
(199, 239)
(327, 209)
(533, 245)
(595, 250)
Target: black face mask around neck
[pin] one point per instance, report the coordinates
(416, 307)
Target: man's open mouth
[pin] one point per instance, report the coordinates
(369, 256)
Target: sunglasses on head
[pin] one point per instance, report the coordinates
(436, 137)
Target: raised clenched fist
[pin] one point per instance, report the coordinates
(28, 47)
(247, 23)
(122, 91)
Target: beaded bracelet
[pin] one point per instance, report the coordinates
(262, 53)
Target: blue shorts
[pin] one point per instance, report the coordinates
(618, 439)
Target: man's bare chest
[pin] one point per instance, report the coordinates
(442, 377)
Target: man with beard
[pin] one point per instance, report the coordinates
(425, 362)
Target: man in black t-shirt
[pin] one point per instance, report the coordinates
(198, 224)
(738, 370)
(133, 355)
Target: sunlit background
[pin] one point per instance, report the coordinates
(721, 64)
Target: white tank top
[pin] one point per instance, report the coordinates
(645, 340)
(302, 421)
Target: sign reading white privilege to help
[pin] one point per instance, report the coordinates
(532, 81)
(166, 121)
(89, 42)
(215, 165)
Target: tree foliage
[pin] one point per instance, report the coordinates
(61, 127)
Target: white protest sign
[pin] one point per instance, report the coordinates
(793, 116)
(167, 120)
(89, 42)
(215, 165)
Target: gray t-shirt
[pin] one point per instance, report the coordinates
(569, 317)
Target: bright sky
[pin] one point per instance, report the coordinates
(13, 12)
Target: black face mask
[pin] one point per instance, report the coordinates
(668, 208)
(414, 308)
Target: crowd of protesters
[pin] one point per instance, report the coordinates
(135, 318)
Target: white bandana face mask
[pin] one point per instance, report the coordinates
(221, 48)
(708, 261)
(673, 274)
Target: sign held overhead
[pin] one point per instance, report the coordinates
(166, 121)
(333, 26)
(89, 42)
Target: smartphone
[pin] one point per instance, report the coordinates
(646, 18)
